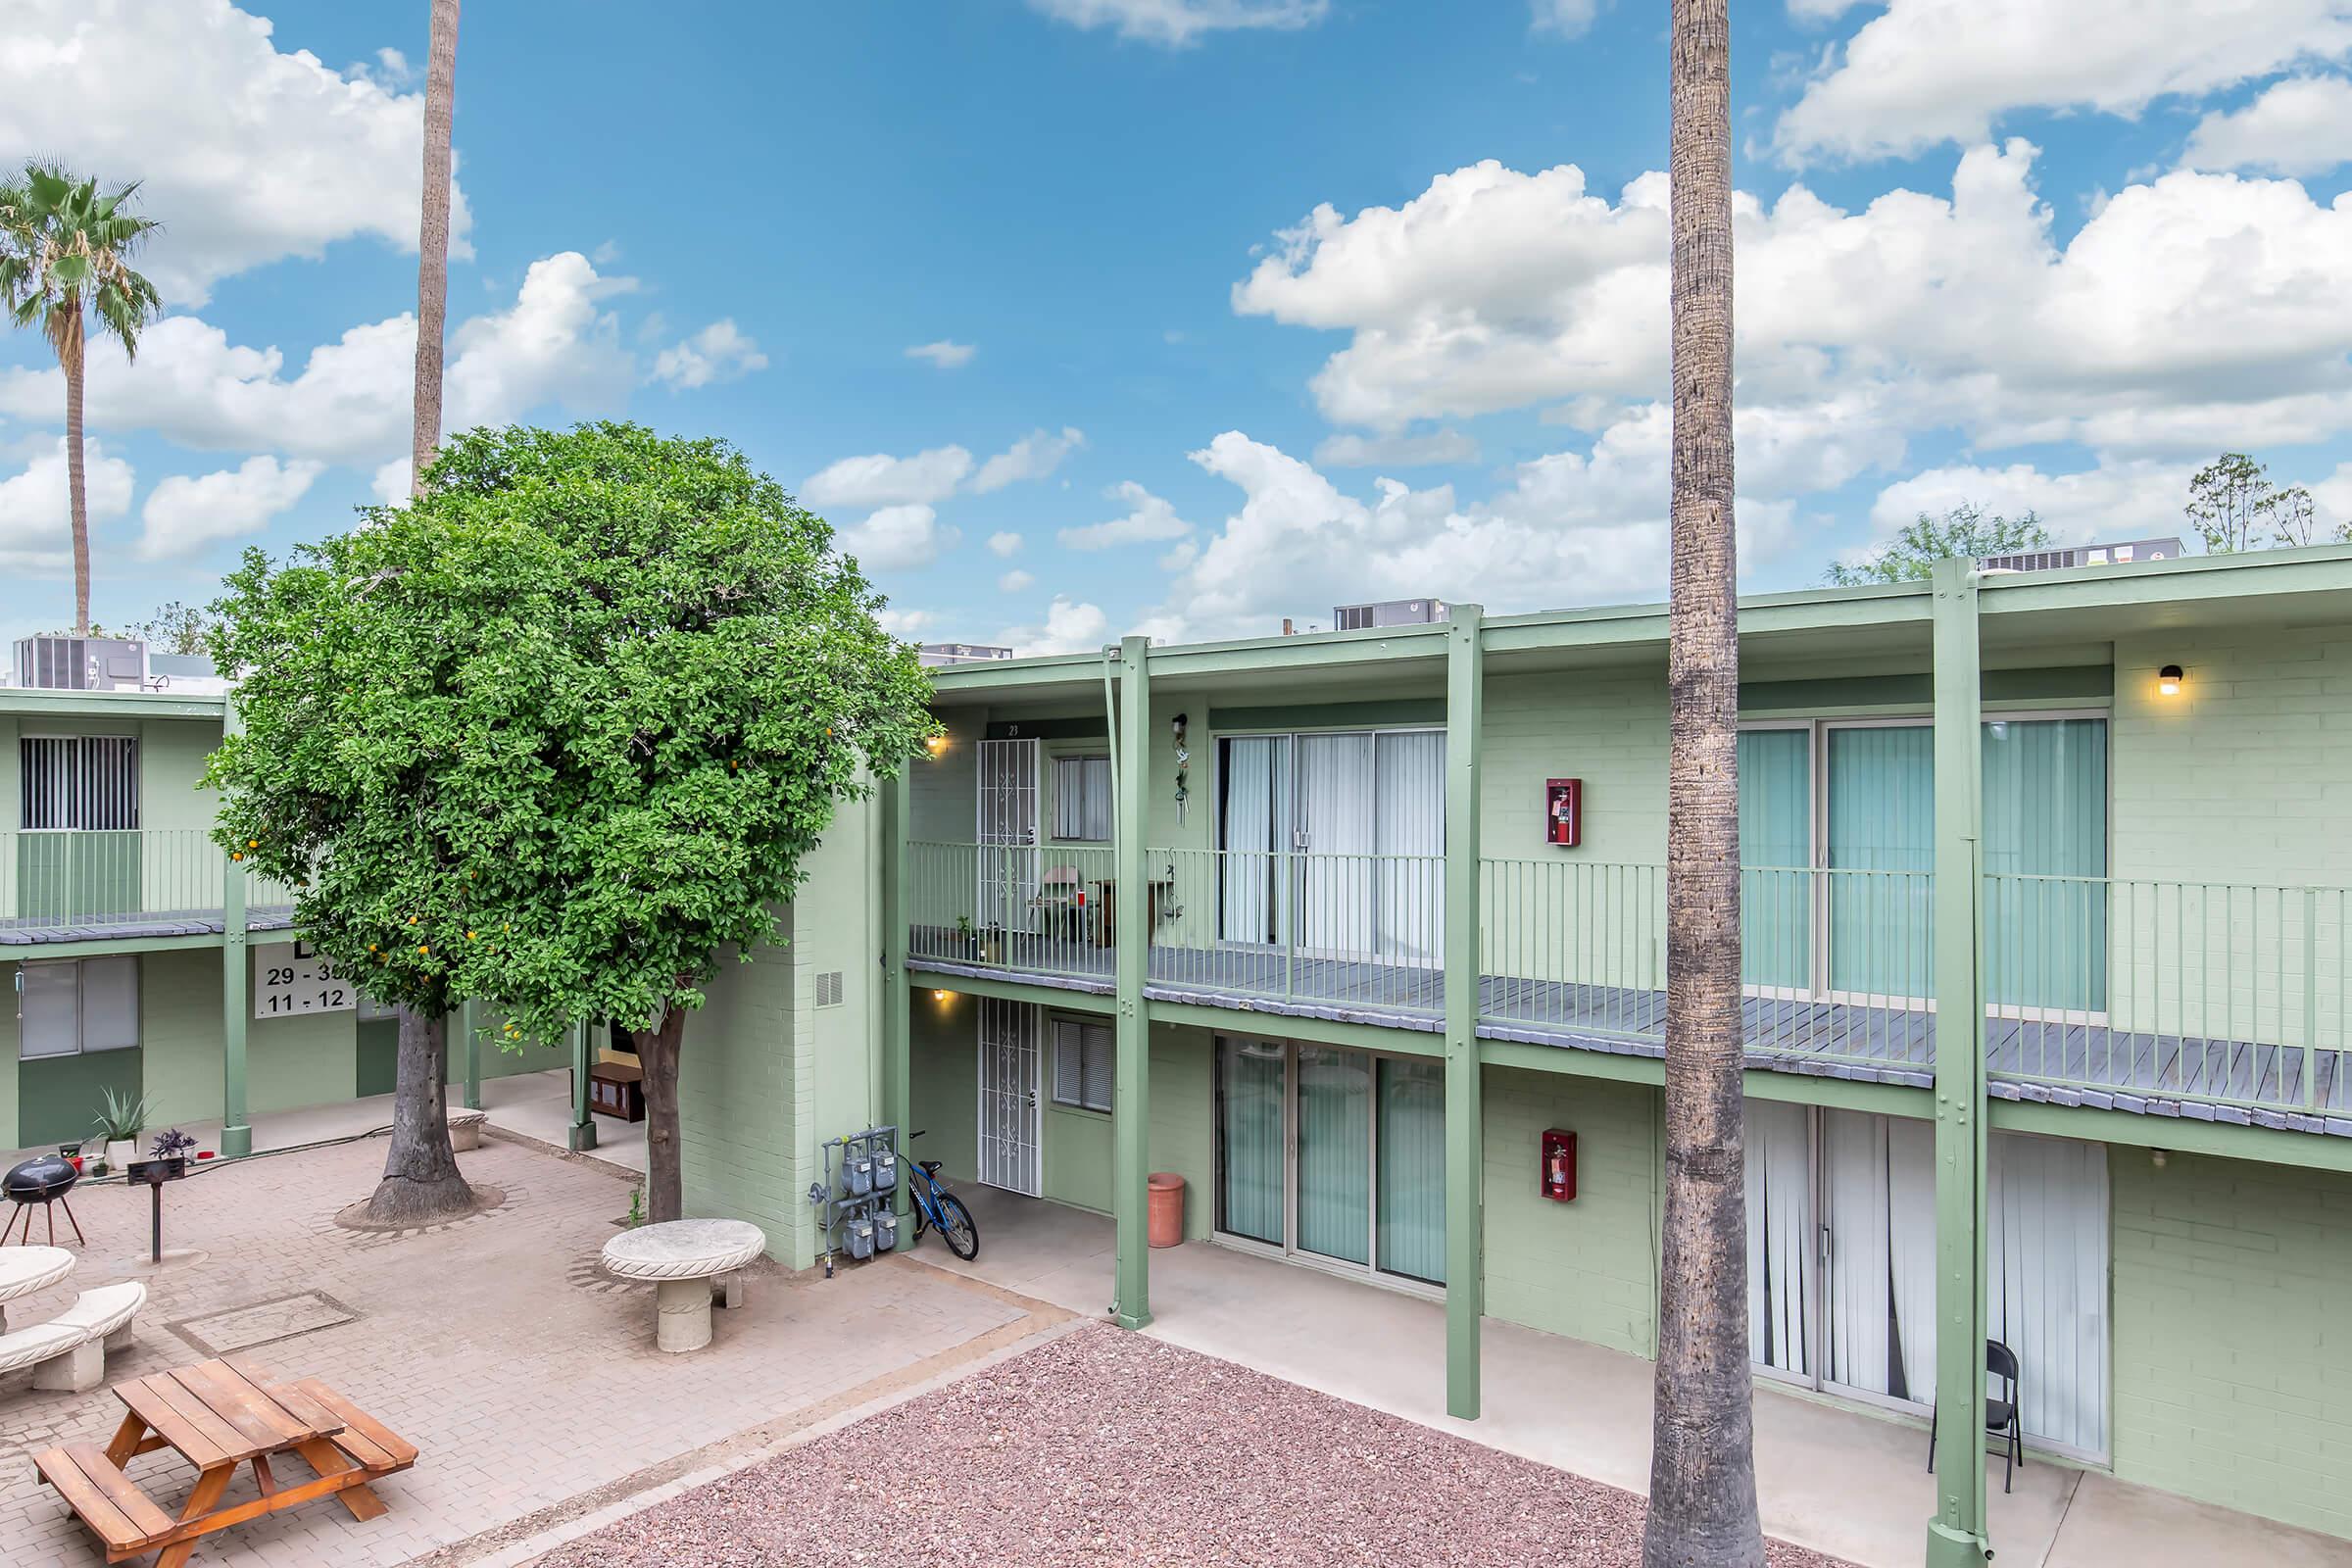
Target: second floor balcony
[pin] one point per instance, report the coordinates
(80, 885)
(2221, 1001)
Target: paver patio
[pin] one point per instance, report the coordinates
(1101, 1448)
(528, 1378)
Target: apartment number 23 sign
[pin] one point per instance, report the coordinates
(289, 979)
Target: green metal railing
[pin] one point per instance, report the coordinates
(2222, 993)
(104, 879)
(2219, 993)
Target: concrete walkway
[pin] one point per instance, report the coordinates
(1829, 1476)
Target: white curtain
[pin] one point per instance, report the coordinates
(1911, 1250)
(1856, 1310)
(1256, 823)
(2045, 1259)
(1780, 1237)
(1335, 794)
(1082, 799)
(1410, 823)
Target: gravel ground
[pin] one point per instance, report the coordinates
(1104, 1447)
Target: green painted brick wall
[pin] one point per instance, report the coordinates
(1077, 1155)
(1183, 1118)
(1587, 1269)
(736, 1101)
(945, 1057)
(1609, 729)
(2232, 1363)
(289, 1062)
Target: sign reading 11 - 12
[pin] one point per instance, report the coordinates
(289, 978)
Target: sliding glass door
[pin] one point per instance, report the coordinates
(1880, 850)
(1333, 1156)
(1775, 854)
(2045, 861)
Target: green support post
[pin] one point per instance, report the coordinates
(236, 1132)
(1465, 1133)
(898, 1010)
(473, 1055)
(581, 1136)
(1131, 1100)
(1957, 1535)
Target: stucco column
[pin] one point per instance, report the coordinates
(1465, 1130)
(1956, 1537)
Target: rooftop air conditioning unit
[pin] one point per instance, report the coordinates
(1387, 613)
(81, 664)
(2058, 559)
(938, 655)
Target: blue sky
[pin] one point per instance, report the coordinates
(1235, 308)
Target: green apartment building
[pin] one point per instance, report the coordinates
(1293, 917)
(141, 958)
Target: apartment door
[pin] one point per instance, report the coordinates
(1010, 1115)
(1007, 834)
(1842, 1264)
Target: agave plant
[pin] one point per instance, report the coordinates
(122, 1117)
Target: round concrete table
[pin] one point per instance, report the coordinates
(26, 1269)
(682, 1256)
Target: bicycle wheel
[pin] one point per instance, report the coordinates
(956, 1224)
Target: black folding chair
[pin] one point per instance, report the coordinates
(2000, 1414)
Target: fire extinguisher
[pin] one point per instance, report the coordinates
(1558, 1178)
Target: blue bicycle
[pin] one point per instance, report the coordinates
(942, 1209)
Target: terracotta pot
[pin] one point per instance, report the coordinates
(1164, 1225)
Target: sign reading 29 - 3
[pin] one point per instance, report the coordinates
(289, 979)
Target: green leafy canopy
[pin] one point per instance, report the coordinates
(557, 734)
(1963, 533)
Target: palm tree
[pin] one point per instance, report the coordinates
(65, 254)
(421, 1180)
(1702, 1476)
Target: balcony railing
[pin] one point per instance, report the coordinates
(2220, 993)
(68, 881)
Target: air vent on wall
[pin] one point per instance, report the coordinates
(829, 988)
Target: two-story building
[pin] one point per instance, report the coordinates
(1348, 928)
(142, 960)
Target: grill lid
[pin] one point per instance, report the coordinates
(40, 1179)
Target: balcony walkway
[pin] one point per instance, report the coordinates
(28, 931)
(2071, 1061)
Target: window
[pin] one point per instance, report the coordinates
(1082, 799)
(74, 1006)
(1083, 1058)
(89, 782)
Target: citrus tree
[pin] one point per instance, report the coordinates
(554, 735)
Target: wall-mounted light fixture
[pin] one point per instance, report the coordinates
(939, 996)
(2167, 680)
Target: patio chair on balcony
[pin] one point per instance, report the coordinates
(1061, 901)
(2000, 1413)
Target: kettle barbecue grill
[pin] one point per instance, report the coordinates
(45, 1179)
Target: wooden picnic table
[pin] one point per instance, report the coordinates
(219, 1415)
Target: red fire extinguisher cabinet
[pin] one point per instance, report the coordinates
(1556, 1180)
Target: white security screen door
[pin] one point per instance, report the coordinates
(1007, 834)
(1010, 1124)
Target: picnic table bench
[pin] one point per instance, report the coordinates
(219, 1415)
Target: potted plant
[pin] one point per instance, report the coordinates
(968, 936)
(121, 1119)
(172, 1147)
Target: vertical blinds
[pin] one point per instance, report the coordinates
(1083, 1057)
(1250, 1140)
(1082, 798)
(89, 782)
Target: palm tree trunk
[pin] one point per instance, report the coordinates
(420, 1152)
(658, 1056)
(1702, 1485)
(78, 493)
(421, 1182)
(432, 242)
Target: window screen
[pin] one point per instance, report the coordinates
(1083, 1057)
(1082, 798)
(89, 782)
(71, 1008)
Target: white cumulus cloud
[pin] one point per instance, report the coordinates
(1355, 450)
(879, 480)
(36, 532)
(185, 512)
(1070, 627)
(720, 352)
(1012, 582)
(248, 152)
(2301, 126)
(946, 353)
(1149, 519)
(897, 538)
(1033, 456)
(1923, 71)
(1003, 544)
(1178, 23)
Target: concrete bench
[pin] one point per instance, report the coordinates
(67, 1353)
(465, 1129)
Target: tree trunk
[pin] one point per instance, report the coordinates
(78, 505)
(432, 243)
(421, 1182)
(1702, 1487)
(657, 1056)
